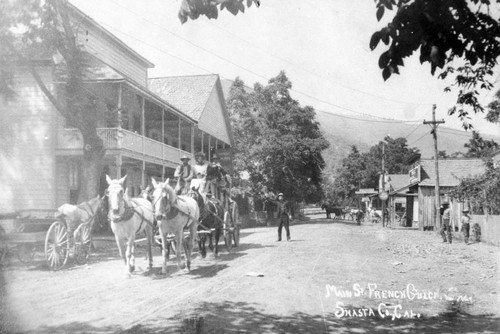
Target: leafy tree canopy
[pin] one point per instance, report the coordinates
(459, 37)
(277, 141)
(193, 9)
(362, 170)
(478, 147)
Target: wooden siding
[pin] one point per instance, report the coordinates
(212, 119)
(111, 54)
(426, 204)
(62, 188)
(27, 147)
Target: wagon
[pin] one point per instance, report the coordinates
(34, 230)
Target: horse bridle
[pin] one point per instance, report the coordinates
(163, 196)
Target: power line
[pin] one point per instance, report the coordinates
(368, 120)
(246, 69)
(414, 142)
(415, 129)
(210, 72)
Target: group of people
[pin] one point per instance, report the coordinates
(446, 226)
(208, 177)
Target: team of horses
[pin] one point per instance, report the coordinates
(200, 216)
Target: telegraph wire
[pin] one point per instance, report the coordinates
(210, 72)
(252, 72)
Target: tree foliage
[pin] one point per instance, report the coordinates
(36, 30)
(193, 9)
(482, 192)
(277, 142)
(362, 170)
(478, 147)
(445, 33)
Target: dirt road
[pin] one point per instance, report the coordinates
(331, 278)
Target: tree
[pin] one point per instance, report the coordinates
(482, 191)
(362, 170)
(278, 142)
(479, 147)
(493, 114)
(193, 9)
(34, 30)
(460, 37)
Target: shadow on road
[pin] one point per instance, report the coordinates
(228, 317)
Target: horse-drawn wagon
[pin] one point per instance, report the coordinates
(35, 230)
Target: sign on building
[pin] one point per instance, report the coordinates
(414, 175)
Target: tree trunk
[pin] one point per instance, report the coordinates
(92, 166)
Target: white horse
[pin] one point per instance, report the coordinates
(127, 218)
(173, 214)
(375, 215)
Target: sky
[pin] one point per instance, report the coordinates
(322, 45)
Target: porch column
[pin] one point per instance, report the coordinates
(192, 139)
(162, 144)
(202, 141)
(179, 137)
(209, 148)
(118, 158)
(143, 132)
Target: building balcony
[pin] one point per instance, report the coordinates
(121, 141)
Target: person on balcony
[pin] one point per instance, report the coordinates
(184, 174)
(200, 173)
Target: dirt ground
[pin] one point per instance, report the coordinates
(333, 277)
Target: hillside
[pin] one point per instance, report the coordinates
(363, 131)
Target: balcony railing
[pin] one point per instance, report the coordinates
(120, 139)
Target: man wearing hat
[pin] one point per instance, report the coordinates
(445, 226)
(283, 217)
(215, 177)
(465, 225)
(184, 174)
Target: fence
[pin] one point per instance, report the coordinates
(490, 228)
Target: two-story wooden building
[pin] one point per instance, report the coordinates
(145, 129)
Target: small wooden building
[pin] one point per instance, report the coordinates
(421, 187)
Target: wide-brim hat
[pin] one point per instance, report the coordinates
(445, 203)
(280, 194)
(465, 210)
(185, 157)
(215, 157)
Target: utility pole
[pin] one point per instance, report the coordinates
(434, 125)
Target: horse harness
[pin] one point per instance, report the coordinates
(128, 213)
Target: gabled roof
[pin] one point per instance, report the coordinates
(451, 171)
(188, 93)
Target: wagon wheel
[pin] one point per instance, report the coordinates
(83, 243)
(227, 233)
(25, 253)
(56, 245)
(236, 224)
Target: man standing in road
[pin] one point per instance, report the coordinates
(445, 226)
(466, 225)
(283, 216)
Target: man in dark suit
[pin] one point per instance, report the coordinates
(283, 216)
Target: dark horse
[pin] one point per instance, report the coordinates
(337, 212)
(210, 223)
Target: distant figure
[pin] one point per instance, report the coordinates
(283, 216)
(466, 225)
(446, 226)
(184, 174)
